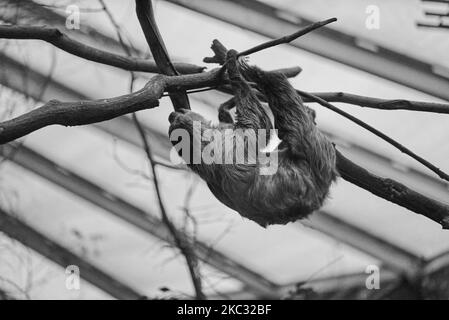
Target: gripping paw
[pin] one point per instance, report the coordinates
(231, 55)
(231, 65)
(175, 114)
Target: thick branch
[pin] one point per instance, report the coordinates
(144, 10)
(393, 191)
(87, 112)
(64, 42)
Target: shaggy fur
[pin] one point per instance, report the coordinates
(306, 159)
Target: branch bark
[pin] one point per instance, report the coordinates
(287, 39)
(64, 42)
(376, 132)
(180, 100)
(144, 10)
(393, 191)
(382, 104)
(87, 112)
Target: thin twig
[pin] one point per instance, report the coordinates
(179, 98)
(49, 76)
(382, 104)
(188, 211)
(286, 39)
(16, 287)
(376, 132)
(118, 29)
(181, 242)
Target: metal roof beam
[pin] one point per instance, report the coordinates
(36, 163)
(396, 258)
(29, 237)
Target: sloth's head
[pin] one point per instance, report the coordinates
(186, 119)
(185, 133)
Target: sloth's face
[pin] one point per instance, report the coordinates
(185, 119)
(185, 132)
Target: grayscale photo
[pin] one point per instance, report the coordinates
(224, 158)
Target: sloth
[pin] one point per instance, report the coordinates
(306, 161)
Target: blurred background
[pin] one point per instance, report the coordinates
(84, 196)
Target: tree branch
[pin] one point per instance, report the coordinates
(179, 100)
(393, 191)
(144, 10)
(287, 39)
(181, 242)
(383, 104)
(220, 50)
(64, 42)
(87, 112)
(376, 132)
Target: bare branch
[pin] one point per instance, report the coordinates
(378, 133)
(383, 104)
(182, 243)
(87, 112)
(286, 39)
(220, 50)
(180, 100)
(92, 111)
(393, 191)
(144, 10)
(64, 42)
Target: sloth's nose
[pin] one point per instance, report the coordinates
(172, 117)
